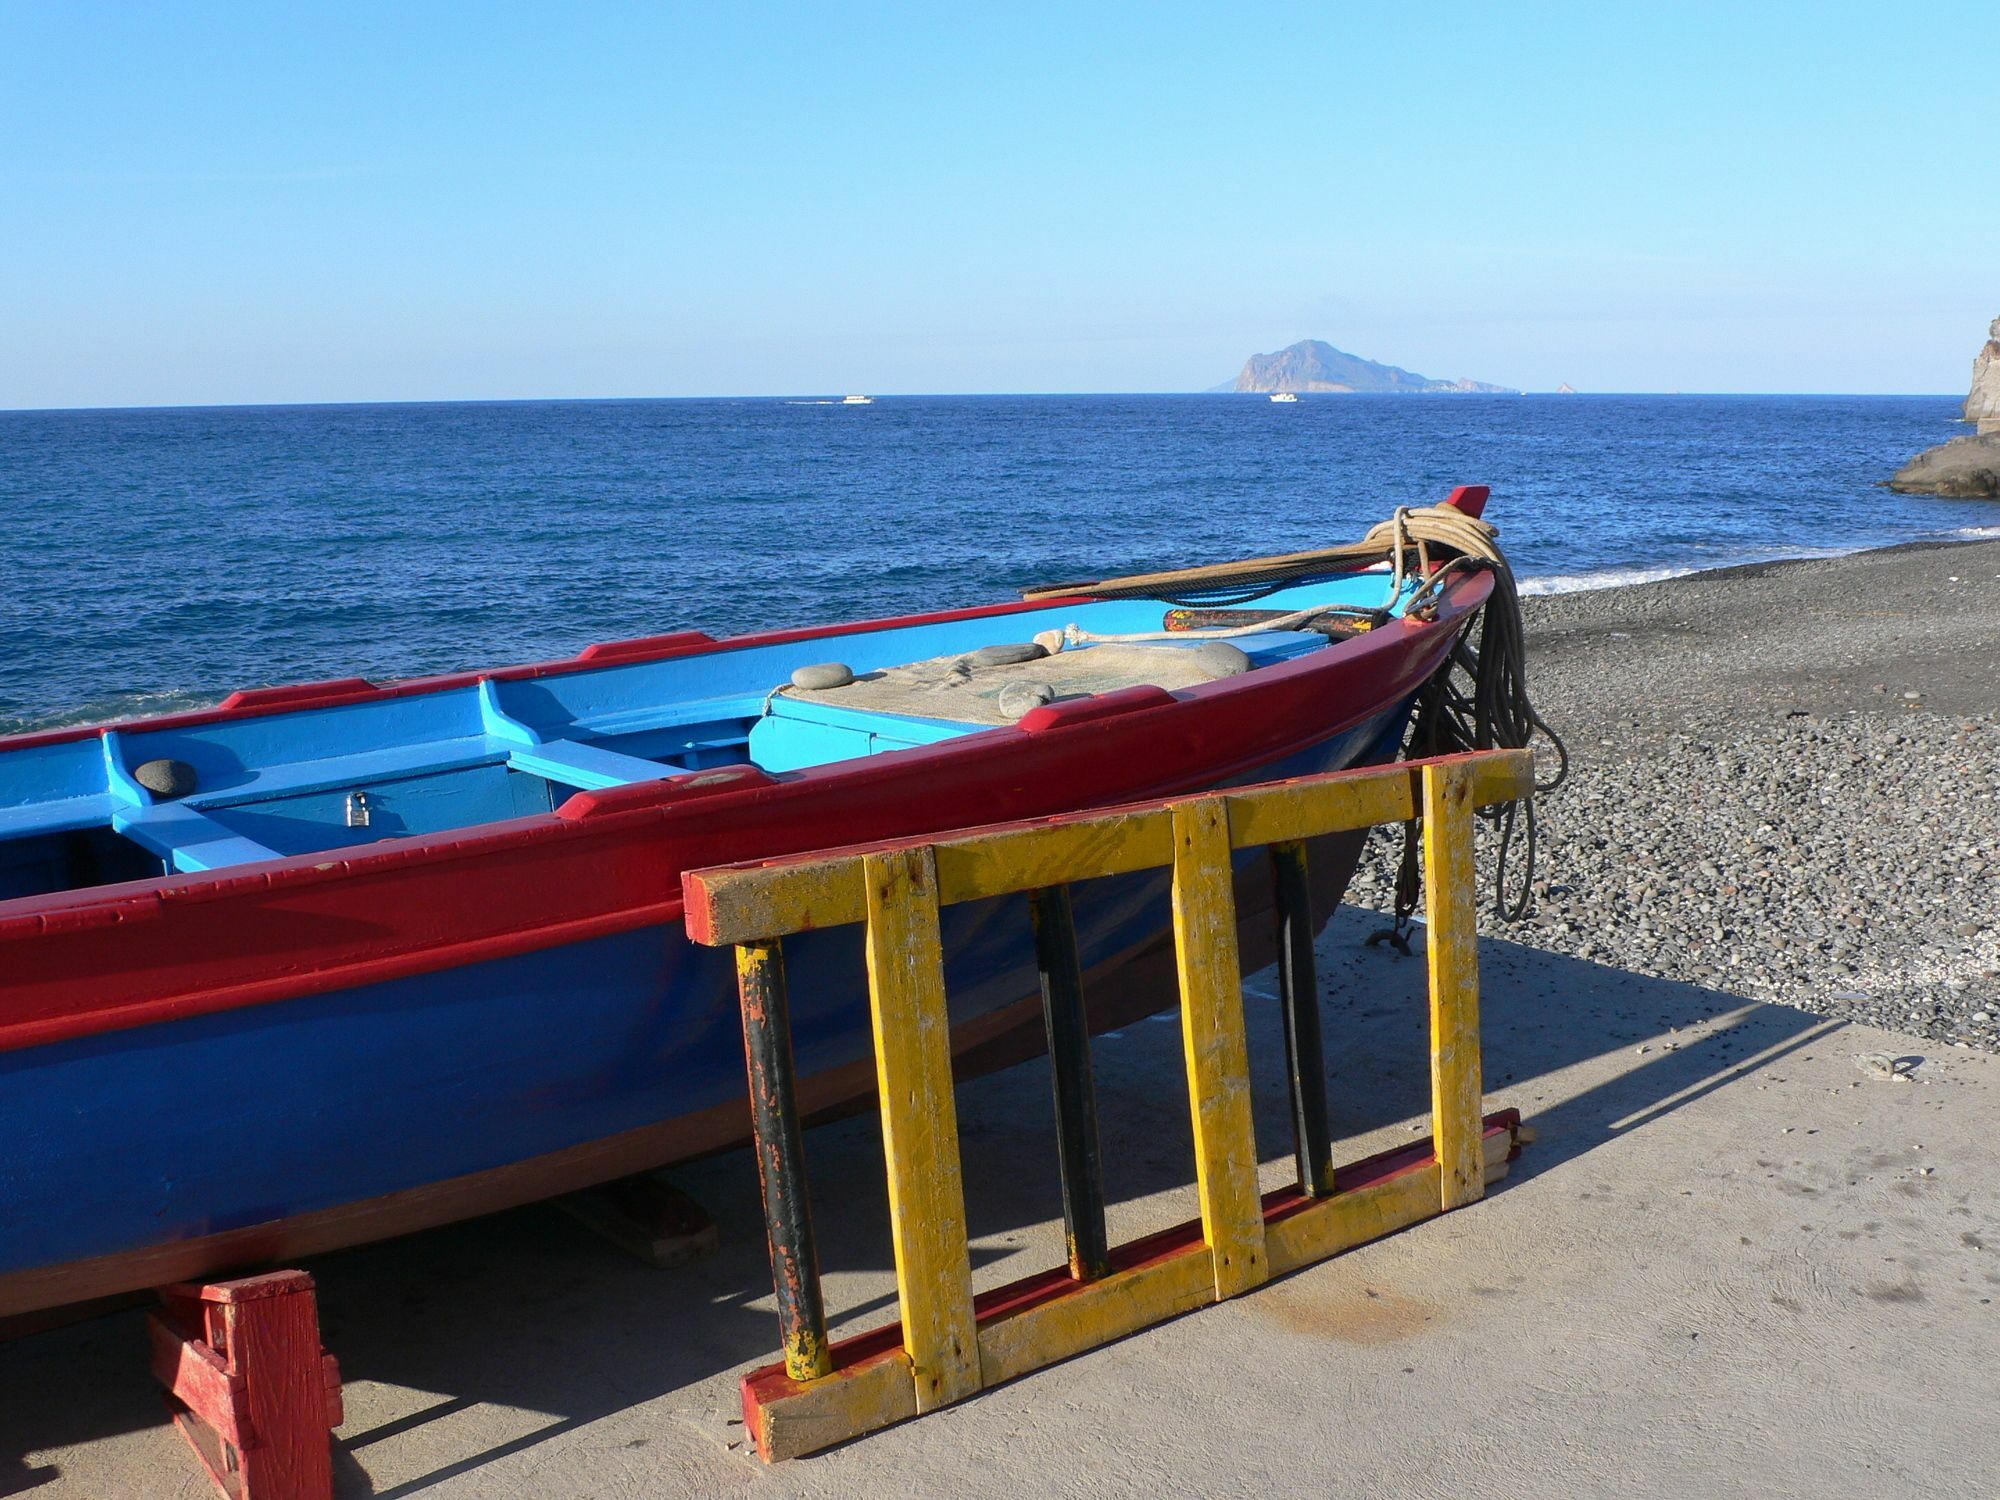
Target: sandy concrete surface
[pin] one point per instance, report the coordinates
(1735, 1263)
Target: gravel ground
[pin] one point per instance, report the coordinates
(1783, 785)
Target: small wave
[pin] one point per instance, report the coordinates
(1611, 578)
(1599, 578)
(1975, 533)
(108, 708)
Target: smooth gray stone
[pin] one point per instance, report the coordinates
(1221, 658)
(822, 675)
(1008, 653)
(165, 778)
(1018, 698)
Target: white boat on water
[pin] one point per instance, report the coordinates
(1284, 395)
(857, 400)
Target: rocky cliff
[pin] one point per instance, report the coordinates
(1311, 365)
(1966, 467)
(1983, 405)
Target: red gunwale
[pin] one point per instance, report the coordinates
(115, 957)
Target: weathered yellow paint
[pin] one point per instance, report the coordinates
(807, 1356)
(1306, 810)
(837, 1410)
(747, 902)
(795, 895)
(1218, 1063)
(753, 960)
(920, 1124)
(897, 893)
(1094, 1313)
(1451, 945)
(1366, 798)
(1496, 775)
(1352, 1217)
(1024, 859)
(1355, 1216)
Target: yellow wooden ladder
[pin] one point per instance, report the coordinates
(950, 1344)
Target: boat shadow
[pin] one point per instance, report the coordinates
(467, 1345)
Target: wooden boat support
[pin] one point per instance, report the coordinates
(248, 1384)
(948, 1343)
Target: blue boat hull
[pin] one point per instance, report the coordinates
(189, 1146)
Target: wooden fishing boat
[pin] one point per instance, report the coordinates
(333, 962)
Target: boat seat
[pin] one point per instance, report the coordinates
(364, 768)
(619, 723)
(573, 763)
(186, 839)
(428, 758)
(62, 815)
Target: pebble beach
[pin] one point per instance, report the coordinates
(1784, 785)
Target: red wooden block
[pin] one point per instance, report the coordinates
(248, 1384)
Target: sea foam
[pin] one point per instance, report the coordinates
(1599, 578)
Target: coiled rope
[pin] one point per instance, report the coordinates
(1478, 700)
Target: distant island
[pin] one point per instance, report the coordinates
(1310, 365)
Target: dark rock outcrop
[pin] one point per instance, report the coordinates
(1311, 365)
(1966, 468)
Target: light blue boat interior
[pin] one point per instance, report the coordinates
(73, 816)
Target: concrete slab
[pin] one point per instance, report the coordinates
(1737, 1262)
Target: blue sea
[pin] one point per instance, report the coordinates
(157, 559)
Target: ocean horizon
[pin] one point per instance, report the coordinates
(164, 556)
(832, 398)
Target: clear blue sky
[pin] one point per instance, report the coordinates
(220, 203)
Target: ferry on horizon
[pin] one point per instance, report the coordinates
(1284, 396)
(857, 400)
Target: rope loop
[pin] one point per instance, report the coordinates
(1478, 700)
